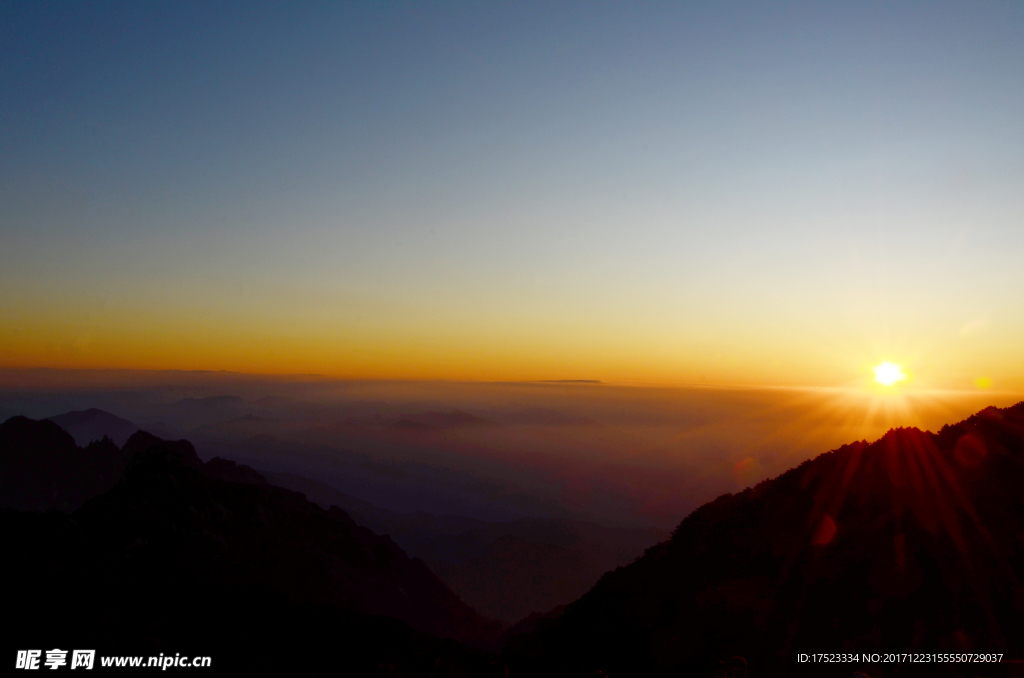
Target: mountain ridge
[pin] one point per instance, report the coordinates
(504, 570)
(914, 541)
(86, 426)
(172, 528)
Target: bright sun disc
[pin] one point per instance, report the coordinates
(888, 374)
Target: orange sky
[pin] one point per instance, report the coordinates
(661, 194)
(531, 346)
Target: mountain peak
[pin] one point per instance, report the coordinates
(92, 424)
(911, 541)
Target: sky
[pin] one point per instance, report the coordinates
(778, 194)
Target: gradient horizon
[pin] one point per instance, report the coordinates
(781, 195)
(647, 455)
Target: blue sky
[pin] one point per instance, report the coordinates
(735, 192)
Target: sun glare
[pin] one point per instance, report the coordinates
(888, 374)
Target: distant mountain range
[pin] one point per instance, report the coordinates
(504, 570)
(86, 426)
(911, 544)
(152, 562)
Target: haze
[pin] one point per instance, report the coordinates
(630, 456)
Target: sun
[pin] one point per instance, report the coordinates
(888, 374)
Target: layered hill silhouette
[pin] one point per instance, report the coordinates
(87, 426)
(180, 554)
(504, 570)
(42, 468)
(913, 543)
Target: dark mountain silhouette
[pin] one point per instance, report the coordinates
(225, 469)
(504, 570)
(162, 429)
(41, 467)
(913, 543)
(72, 602)
(531, 623)
(86, 426)
(181, 554)
(514, 578)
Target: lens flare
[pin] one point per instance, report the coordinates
(888, 374)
